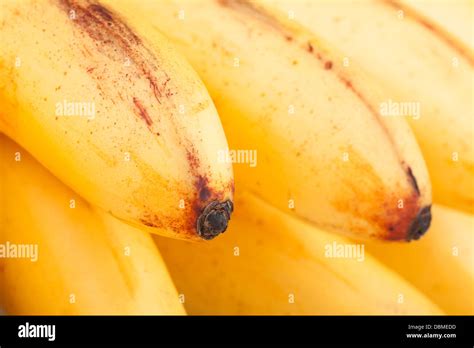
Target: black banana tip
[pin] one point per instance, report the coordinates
(214, 219)
(420, 225)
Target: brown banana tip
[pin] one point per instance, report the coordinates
(214, 219)
(420, 224)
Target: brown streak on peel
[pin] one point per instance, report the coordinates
(247, 7)
(153, 84)
(204, 192)
(117, 41)
(108, 17)
(436, 30)
(105, 14)
(369, 106)
(203, 189)
(412, 178)
(149, 223)
(168, 92)
(142, 112)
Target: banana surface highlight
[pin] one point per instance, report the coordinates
(60, 257)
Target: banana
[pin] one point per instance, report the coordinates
(59, 256)
(441, 265)
(454, 17)
(321, 149)
(417, 62)
(272, 263)
(119, 117)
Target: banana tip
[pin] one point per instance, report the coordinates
(420, 224)
(214, 219)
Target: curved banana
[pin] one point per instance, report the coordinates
(57, 256)
(454, 17)
(272, 263)
(441, 265)
(118, 116)
(322, 150)
(419, 65)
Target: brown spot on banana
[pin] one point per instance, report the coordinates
(382, 210)
(213, 213)
(110, 37)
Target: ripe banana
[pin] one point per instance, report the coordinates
(322, 150)
(58, 256)
(272, 263)
(418, 63)
(441, 265)
(455, 17)
(119, 117)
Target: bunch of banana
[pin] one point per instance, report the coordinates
(115, 136)
(419, 64)
(118, 116)
(59, 256)
(314, 125)
(271, 263)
